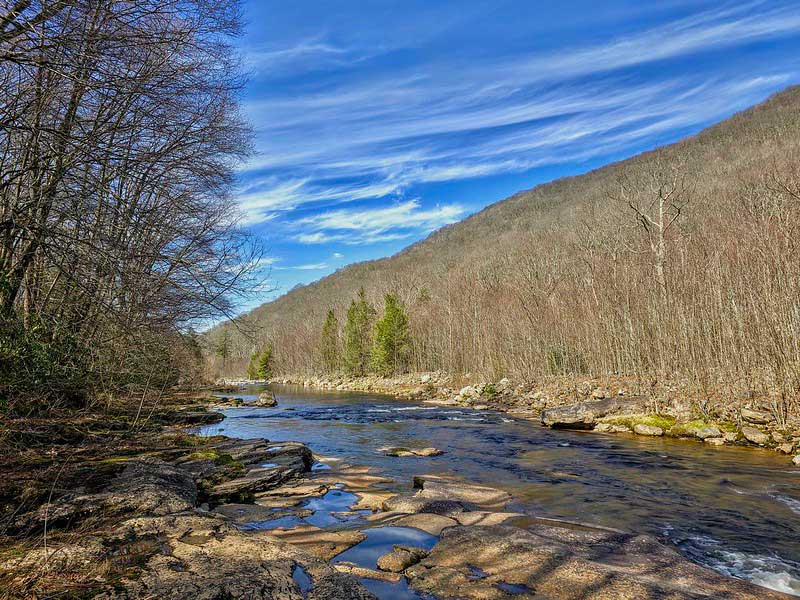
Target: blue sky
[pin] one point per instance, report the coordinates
(380, 121)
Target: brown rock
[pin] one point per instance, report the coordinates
(652, 430)
(558, 561)
(584, 415)
(756, 436)
(401, 558)
(757, 417)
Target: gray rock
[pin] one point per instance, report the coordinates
(401, 558)
(756, 436)
(428, 452)
(468, 392)
(260, 479)
(708, 432)
(796, 460)
(584, 415)
(267, 399)
(757, 417)
(652, 430)
(141, 487)
(207, 558)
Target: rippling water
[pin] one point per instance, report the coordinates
(734, 510)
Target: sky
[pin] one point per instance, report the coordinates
(379, 121)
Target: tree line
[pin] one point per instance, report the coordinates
(119, 132)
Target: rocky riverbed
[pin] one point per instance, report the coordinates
(183, 516)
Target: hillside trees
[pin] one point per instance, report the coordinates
(657, 197)
(119, 129)
(252, 366)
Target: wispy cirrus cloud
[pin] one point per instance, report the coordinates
(393, 222)
(311, 267)
(372, 137)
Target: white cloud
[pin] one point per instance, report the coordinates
(374, 137)
(311, 267)
(395, 222)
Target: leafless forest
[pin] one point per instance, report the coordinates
(119, 131)
(681, 263)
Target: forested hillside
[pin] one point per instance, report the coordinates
(680, 260)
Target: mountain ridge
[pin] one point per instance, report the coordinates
(743, 147)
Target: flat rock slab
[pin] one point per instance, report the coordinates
(371, 500)
(246, 513)
(363, 572)
(320, 542)
(205, 558)
(254, 481)
(141, 487)
(429, 523)
(484, 518)
(544, 561)
(439, 488)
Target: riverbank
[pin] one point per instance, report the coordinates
(611, 405)
(116, 503)
(112, 510)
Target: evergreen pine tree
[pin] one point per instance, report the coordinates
(391, 339)
(223, 349)
(264, 370)
(252, 367)
(330, 343)
(357, 335)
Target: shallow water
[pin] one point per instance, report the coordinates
(734, 510)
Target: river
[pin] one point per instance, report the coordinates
(735, 510)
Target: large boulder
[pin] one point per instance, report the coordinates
(584, 415)
(755, 436)
(266, 398)
(757, 417)
(559, 561)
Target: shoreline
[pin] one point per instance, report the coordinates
(180, 512)
(587, 405)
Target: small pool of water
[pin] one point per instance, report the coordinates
(732, 509)
(381, 540)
